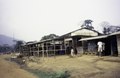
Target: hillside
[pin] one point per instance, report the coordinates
(6, 40)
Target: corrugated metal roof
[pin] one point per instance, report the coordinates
(115, 33)
(63, 36)
(93, 38)
(69, 34)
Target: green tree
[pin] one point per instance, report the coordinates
(18, 44)
(107, 28)
(105, 25)
(50, 36)
(87, 24)
(5, 48)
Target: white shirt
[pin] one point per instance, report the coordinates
(72, 50)
(100, 44)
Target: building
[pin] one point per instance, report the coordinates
(112, 44)
(60, 45)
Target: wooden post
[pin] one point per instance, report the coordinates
(64, 45)
(30, 50)
(21, 49)
(54, 46)
(27, 50)
(33, 50)
(47, 49)
(82, 48)
(73, 45)
(43, 50)
(38, 50)
(118, 44)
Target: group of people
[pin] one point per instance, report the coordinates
(101, 48)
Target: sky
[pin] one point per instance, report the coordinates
(29, 20)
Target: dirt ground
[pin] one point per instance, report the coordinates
(78, 67)
(12, 70)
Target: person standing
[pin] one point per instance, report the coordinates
(100, 48)
(72, 52)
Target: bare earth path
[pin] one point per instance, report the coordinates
(12, 70)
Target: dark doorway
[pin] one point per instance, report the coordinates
(114, 50)
(68, 46)
(107, 50)
(75, 40)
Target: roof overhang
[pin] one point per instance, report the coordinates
(94, 38)
(115, 33)
(68, 39)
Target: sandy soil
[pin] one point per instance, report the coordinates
(12, 70)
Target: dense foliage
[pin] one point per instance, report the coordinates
(50, 36)
(87, 24)
(108, 29)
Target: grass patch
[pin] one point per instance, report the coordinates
(43, 74)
